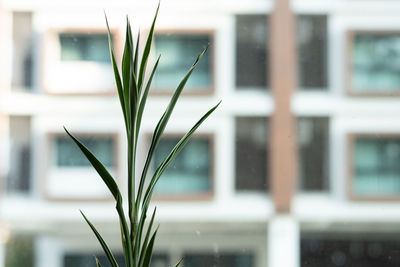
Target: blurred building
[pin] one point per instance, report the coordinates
(298, 167)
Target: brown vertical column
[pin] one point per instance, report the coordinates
(283, 156)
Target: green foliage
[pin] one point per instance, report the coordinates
(20, 251)
(137, 242)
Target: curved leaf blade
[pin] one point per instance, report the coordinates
(149, 251)
(116, 72)
(98, 166)
(103, 244)
(98, 262)
(146, 51)
(162, 123)
(174, 152)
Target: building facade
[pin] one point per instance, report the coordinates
(298, 166)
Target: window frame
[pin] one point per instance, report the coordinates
(202, 91)
(182, 197)
(351, 138)
(49, 40)
(48, 161)
(348, 69)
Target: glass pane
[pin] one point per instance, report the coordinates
(376, 166)
(19, 174)
(67, 154)
(313, 141)
(251, 52)
(190, 172)
(22, 50)
(84, 47)
(374, 62)
(251, 153)
(312, 51)
(87, 260)
(218, 260)
(350, 252)
(178, 52)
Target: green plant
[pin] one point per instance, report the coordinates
(137, 240)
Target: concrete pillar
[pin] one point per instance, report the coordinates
(48, 252)
(283, 242)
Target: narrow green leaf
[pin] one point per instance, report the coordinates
(136, 57)
(97, 262)
(103, 244)
(162, 123)
(143, 100)
(126, 64)
(146, 51)
(146, 239)
(179, 262)
(126, 241)
(116, 72)
(149, 251)
(98, 166)
(174, 152)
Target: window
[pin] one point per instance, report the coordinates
(77, 61)
(312, 51)
(251, 52)
(67, 154)
(373, 62)
(87, 260)
(68, 167)
(375, 166)
(251, 154)
(84, 47)
(218, 260)
(22, 51)
(19, 174)
(190, 173)
(178, 52)
(313, 142)
(343, 250)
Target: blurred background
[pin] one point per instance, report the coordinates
(299, 166)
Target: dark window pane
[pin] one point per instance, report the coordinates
(22, 50)
(346, 252)
(251, 153)
(218, 260)
(251, 52)
(160, 260)
(19, 175)
(376, 167)
(67, 154)
(87, 260)
(84, 47)
(178, 52)
(313, 141)
(374, 62)
(312, 51)
(190, 172)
